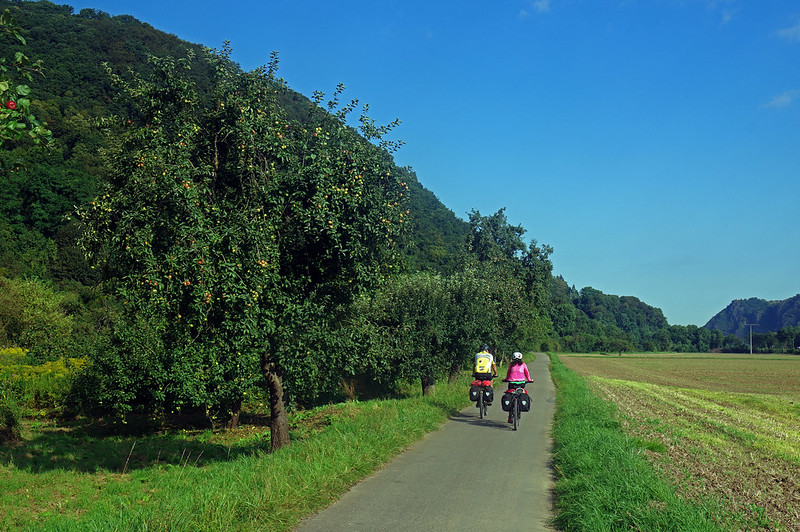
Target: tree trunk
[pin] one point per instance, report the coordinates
(236, 410)
(278, 416)
(428, 385)
(455, 373)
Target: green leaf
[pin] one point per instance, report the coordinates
(23, 90)
(3, 86)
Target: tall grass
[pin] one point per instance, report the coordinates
(255, 491)
(602, 480)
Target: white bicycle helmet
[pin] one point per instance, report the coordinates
(516, 356)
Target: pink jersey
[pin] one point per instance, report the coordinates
(518, 372)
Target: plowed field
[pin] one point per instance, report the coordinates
(724, 428)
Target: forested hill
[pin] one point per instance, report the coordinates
(766, 316)
(75, 94)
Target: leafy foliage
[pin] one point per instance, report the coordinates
(436, 235)
(17, 121)
(36, 386)
(35, 317)
(423, 325)
(233, 228)
(519, 275)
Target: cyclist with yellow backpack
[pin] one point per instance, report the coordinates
(484, 368)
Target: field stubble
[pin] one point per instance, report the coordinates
(723, 428)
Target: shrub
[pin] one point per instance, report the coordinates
(9, 425)
(31, 316)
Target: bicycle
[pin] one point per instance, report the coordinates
(515, 400)
(483, 408)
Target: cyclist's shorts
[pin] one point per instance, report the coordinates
(483, 376)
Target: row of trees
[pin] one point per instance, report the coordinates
(17, 121)
(785, 340)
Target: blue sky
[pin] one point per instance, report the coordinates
(654, 144)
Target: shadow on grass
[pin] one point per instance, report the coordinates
(92, 446)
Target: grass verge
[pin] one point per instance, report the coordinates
(603, 481)
(247, 489)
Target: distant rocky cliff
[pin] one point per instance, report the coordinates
(770, 316)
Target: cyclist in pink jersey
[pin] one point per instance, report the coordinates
(517, 375)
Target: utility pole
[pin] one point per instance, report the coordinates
(751, 325)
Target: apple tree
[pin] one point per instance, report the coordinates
(236, 235)
(17, 121)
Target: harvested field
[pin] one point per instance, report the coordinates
(724, 428)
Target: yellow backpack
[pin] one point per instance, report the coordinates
(483, 363)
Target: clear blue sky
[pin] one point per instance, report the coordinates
(655, 144)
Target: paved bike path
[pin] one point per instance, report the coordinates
(471, 474)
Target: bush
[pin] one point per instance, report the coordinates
(31, 316)
(9, 424)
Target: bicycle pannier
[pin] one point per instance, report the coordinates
(474, 392)
(524, 402)
(488, 394)
(505, 402)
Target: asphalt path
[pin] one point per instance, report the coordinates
(472, 474)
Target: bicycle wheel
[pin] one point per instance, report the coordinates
(516, 413)
(480, 404)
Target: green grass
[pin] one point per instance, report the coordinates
(74, 481)
(603, 481)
